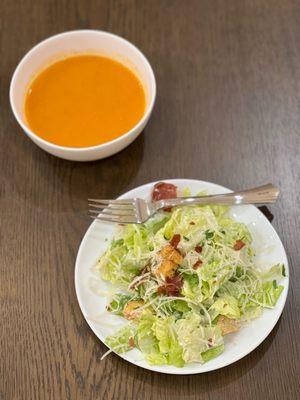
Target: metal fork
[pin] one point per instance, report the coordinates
(137, 211)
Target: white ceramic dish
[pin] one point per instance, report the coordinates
(237, 345)
(78, 42)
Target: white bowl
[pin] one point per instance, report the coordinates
(76, 42)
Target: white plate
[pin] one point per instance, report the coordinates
(265, 241)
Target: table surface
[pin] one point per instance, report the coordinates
(227, 111)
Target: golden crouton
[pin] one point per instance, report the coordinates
(228, 325)
(132, 309)
(165, 269)
(169, 253)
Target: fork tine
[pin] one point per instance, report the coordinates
(111, 207)
(117, 214)
(122, 202)
(119, 220)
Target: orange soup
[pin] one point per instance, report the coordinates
(83, 101)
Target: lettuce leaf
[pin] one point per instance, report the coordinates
(180, 221)
(191, 288)
(196, 339)
(118, 302)
(212, 353)
(268, 295)
(277, 271)
(156, 359)
(145, 337)
(157, 339)
(167, 340)
(234, 231)
(226, 305)
(126, 256)
(119, 342)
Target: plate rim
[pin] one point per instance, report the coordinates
(181, 371)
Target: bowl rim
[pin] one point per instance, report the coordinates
(105, 145)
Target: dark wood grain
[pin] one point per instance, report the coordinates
(227, 111)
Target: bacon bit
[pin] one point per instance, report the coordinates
(171, 287)
(192, 223)
(163, 190)
(197, 264)
(131, 342)
(175, 240)
(161, 290)
(239, 244)
(209, 342)
(198, 249)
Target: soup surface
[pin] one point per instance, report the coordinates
(84, 100)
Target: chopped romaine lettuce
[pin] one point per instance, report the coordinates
(196, 339)
(120, 341)
(215, 279)
(212, 353)
(168, 342)
(117, 304)
(225, 305)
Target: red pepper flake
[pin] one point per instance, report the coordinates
(192, 223)
(198, 249)
(175, 240)
(131, 342)
(239, 244)
(209, 342)
(197, 264)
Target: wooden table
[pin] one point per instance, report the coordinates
(227, 111)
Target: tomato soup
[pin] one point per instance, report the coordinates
(83, 101)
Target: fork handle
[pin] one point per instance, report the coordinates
(259, 195)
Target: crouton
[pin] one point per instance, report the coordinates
(165, 269)
(169, 253)
(132, 309)
(228, 325)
